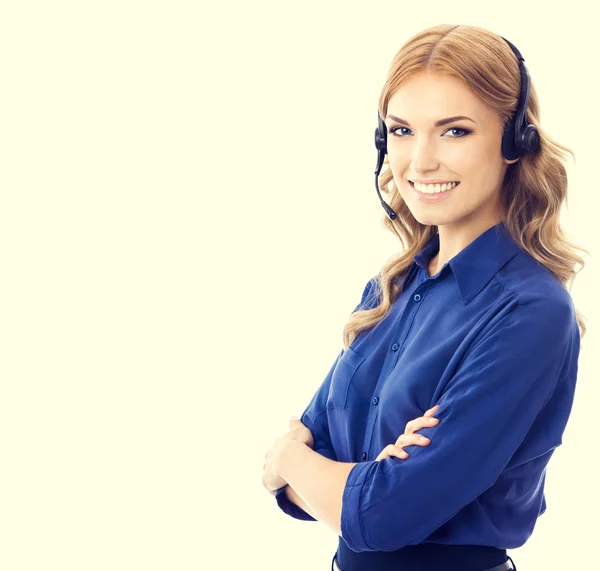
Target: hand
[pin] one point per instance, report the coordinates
(409, 436)
(298, 432)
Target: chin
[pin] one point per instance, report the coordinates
(431, 220)
(428, 221)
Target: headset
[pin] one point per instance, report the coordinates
(519, 136)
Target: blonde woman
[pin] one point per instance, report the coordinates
(472, 323)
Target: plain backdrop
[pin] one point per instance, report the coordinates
(187, 218)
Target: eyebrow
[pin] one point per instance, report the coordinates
(439, 123)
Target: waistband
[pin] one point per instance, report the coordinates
(423, 557)
(506, 566)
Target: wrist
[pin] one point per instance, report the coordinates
(289, 450)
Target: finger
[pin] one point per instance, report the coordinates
(396, 453)
(385, 452)
(408, 439)
(399, 452)
(428, 421)
(425, 420)
(422, 421)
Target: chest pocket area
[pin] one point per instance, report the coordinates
(342, 377)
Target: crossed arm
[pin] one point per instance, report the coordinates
(316, 483)
(508, 376)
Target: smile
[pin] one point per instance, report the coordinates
(434, 188)
(435, 194)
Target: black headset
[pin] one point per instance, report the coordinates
(519, 136)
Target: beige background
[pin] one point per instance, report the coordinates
(188, 217)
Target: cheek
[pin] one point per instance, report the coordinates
(399, 176)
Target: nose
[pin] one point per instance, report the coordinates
(424, 156)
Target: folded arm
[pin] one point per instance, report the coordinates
(487, 408)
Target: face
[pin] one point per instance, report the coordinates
(467, 151)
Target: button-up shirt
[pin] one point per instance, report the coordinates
(494, 340)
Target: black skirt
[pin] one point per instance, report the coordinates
(422, 557)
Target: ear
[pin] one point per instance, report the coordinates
(511, 162)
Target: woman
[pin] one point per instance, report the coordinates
(472, 322)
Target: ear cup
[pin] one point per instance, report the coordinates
(516, 143)
(509, 149)
(381, 135)
(530, 139)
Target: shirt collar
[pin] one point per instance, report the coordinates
(478, 262)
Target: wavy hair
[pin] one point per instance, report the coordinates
(537, 181)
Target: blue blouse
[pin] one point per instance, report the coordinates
(493, 339)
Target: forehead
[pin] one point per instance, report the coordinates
(428, 97)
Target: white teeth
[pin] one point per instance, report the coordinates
(433, 188)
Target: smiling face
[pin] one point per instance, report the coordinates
(468, 151)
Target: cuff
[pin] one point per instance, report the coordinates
(351, 528)
(290, 507)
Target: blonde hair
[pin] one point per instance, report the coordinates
(533, 190)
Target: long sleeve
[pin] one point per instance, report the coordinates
(315, 419)
(488, 405)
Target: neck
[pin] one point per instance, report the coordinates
(453, 241)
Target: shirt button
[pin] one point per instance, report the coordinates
(364, 455)
(417, 297)
(375, 400)
(395, 347)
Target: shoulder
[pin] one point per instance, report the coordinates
(536, 303)
(371, 294)
(534, 287)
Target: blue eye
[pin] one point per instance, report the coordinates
(394, 129)
(464, 131)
